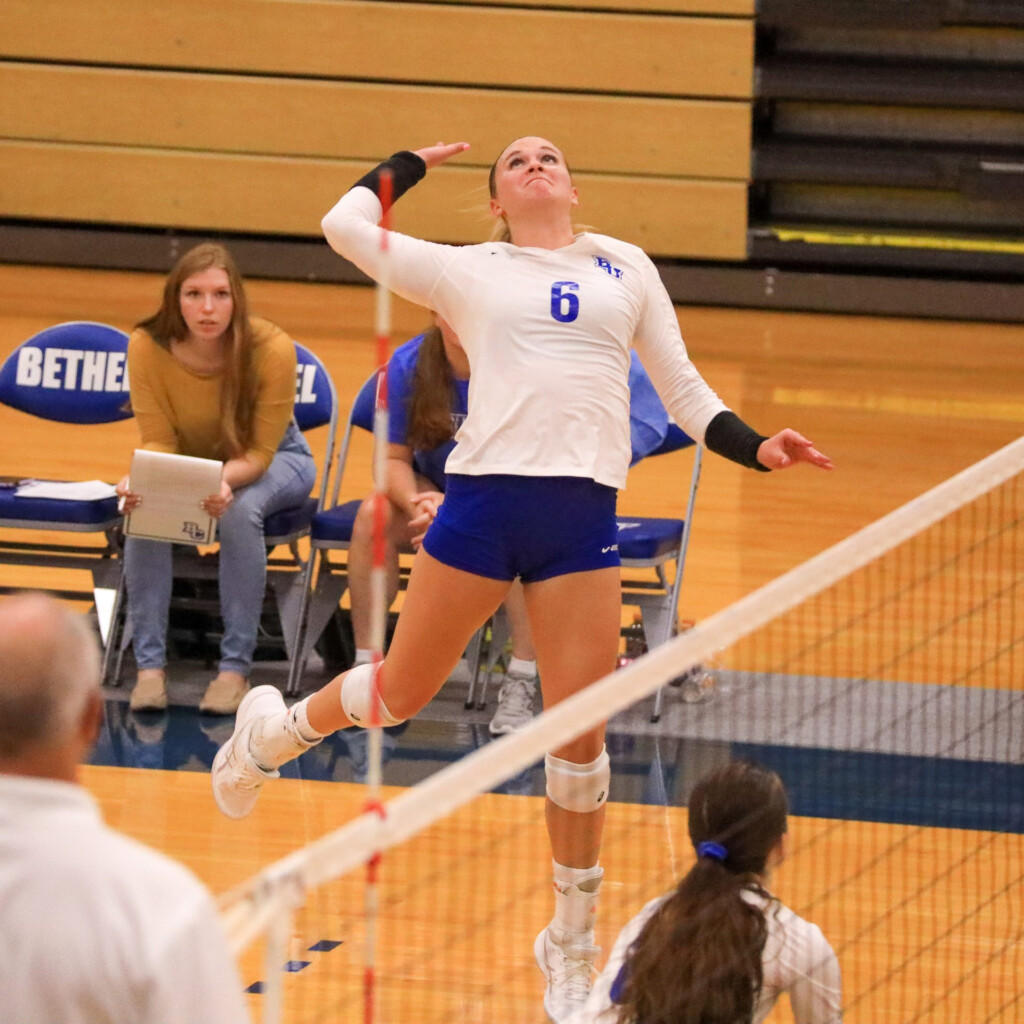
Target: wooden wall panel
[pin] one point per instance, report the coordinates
(252, 115)
(550, 49)
(274, 115)
(285, 195)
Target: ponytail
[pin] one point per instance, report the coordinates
(697, 959)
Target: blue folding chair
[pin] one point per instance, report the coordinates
(70, 373)
(316, 405)
(331, 530)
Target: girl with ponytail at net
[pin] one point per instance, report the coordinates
(720, 948)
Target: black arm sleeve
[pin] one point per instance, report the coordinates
(727, 435)
(406, 170)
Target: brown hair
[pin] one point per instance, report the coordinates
(433, 394)
(238, 382)
(698, 958)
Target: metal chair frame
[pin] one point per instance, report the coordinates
(658, 600)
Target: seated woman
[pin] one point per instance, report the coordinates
(210, 381)
(428, 398)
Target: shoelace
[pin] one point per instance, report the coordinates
(572, 976)
(516, 694)
(247, 777)
(245, 774)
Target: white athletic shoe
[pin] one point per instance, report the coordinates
(515, 704)
(236, 777)
(569, 971)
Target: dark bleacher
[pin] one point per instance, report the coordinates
(889, 134)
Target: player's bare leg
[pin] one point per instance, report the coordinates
(575, 621)
(431, 634)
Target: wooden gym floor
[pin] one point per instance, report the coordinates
(899, 405)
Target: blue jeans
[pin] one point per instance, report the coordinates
(242, 564)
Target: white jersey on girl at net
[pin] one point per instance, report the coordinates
(797, 959)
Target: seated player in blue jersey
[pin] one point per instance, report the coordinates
(428, 397)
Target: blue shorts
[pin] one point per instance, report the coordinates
(504, 526)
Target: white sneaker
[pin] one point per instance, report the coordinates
(236, 777)
(569, 971)
(515, 704)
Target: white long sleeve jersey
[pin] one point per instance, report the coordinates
(547, 334)
(797, 960)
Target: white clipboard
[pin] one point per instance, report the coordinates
(171, 488)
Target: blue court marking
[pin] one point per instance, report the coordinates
(294, 966)
(324, 946)
(893, 788)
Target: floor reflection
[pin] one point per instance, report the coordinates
(647, 768)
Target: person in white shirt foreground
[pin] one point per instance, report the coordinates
(97, 928)
(546, 319)
(720, 948)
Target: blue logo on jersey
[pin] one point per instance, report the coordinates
(604, 265)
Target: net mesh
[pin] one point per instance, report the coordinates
(881, 680)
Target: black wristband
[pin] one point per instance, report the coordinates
(406, 170)
(727, 435)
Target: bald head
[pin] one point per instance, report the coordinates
(49, 672)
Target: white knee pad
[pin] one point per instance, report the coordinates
(357, 698)
(578, 787)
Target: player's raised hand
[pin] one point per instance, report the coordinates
(787, 448)
(434, 156)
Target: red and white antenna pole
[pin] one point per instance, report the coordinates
(378, 583)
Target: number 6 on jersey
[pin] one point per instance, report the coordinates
(565, 306)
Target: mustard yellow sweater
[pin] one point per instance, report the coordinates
(178, 410)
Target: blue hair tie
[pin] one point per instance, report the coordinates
(713, 851)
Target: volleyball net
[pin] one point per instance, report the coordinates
(882, 679)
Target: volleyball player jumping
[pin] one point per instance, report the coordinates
(547, 318)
